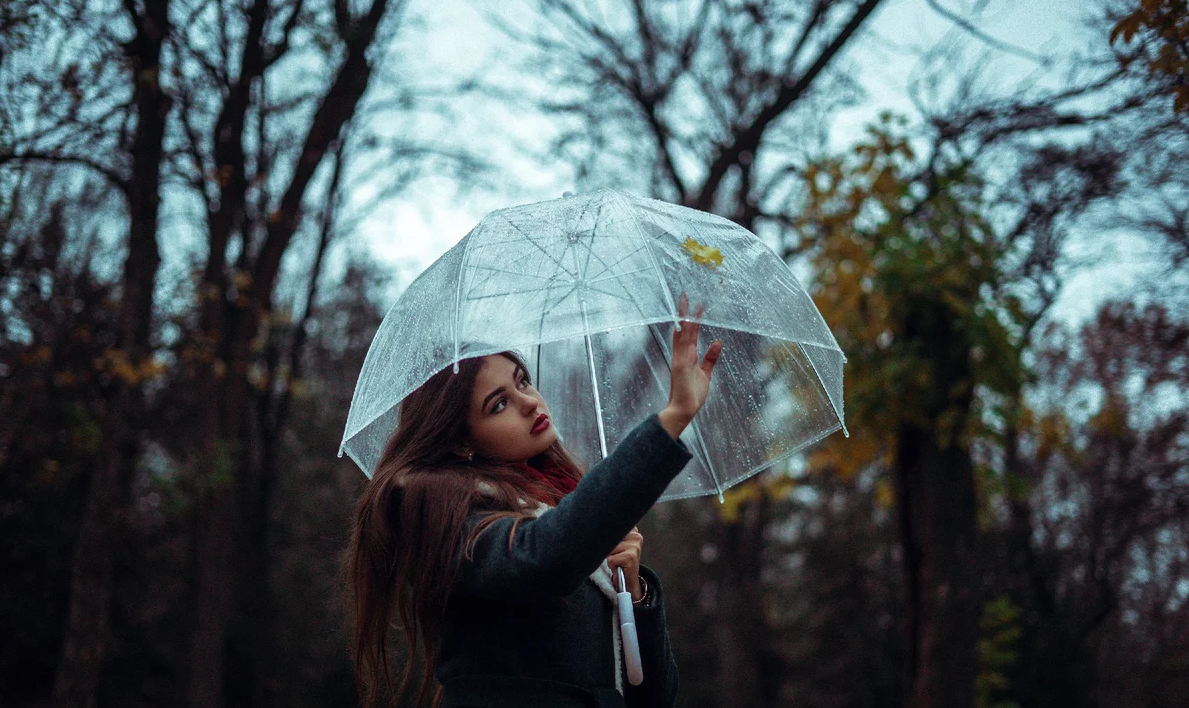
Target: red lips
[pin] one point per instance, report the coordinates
(540, 423)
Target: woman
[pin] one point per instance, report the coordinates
(493, 593)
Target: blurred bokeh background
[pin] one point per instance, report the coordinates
(206, 206)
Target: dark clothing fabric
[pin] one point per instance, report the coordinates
(525, 627)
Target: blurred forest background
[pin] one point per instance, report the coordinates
(187, 295)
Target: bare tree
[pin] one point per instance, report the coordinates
(129, 94)
(193, 105)
(252, 166)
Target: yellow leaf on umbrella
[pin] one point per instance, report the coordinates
(703, 254)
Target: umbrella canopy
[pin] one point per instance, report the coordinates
(585, 288)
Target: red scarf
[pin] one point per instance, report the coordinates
(550, 474)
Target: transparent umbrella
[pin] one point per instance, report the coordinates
(585, 289)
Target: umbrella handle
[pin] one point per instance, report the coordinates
(627, 627)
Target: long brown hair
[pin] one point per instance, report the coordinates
(408, 521)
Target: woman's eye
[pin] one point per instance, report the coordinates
(496, 408)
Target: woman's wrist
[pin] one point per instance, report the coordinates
(673, 421)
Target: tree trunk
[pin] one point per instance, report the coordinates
(935, 492)
(937, 508)
(212, 584)
(256, 602)
(234, 493)
(272, 416)
(86, 638)
(740, 627)
(84, 646)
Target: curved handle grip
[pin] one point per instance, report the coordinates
(627, 628)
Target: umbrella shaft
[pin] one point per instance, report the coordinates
(594, 381)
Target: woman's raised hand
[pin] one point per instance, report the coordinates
(690, 379)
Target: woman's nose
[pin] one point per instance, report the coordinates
(528, 403)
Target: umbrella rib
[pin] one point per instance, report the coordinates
(493, 269)
(606, 268)
(590, 246)
(535, 289)
(624, 258)
(630, 297)
(615, 276)
(539, 247)
(492, 273)
(488, 244)
(545, 310)
(652, 257)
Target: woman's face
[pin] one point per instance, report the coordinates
(504, 407)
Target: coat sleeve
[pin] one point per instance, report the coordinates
(659, 688)
(551, 555)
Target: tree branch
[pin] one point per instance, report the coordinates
(748, 139)
(53, 158)
(278, 50)
(969, 27)
(350, 83)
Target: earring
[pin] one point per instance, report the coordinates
(470, 457)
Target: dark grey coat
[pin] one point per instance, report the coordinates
(526, 628)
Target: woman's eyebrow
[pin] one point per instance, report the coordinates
(501, 389)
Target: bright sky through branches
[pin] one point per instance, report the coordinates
(412, 231)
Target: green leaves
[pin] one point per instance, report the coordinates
(997, 652)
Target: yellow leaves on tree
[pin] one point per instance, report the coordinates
(1111, 418)
(1160, 31)
(754, 489)
(117, 364)
(1052, 432)
(844, 459)
(846, 198)
(907, 287)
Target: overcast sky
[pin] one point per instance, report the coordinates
(409, 233)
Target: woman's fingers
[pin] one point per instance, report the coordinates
(632, 540)
(713, 352)
(632, 543)
(689, 330)
(687, 338)
(689, 373)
